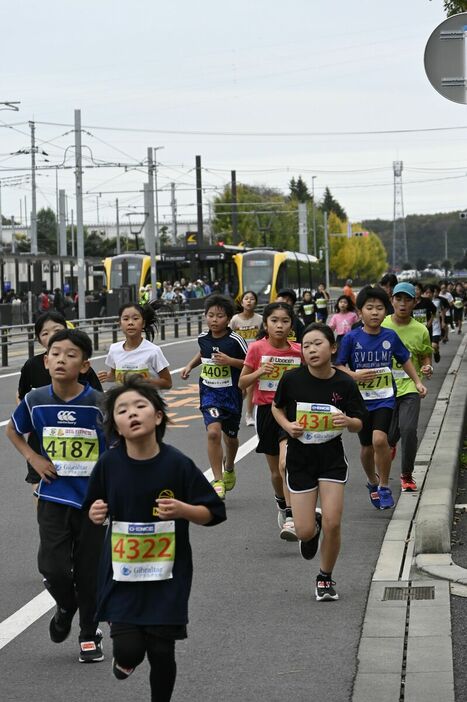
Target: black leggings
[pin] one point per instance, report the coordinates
(132, 642)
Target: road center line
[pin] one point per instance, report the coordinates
(33, 610)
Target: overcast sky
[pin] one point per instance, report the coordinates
(254, 86)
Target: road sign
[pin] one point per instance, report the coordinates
(446, 58)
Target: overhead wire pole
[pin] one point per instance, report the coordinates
(33, 190)
(79, 217)
(149, 226)
(118, 225)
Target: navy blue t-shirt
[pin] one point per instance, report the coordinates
(218, 384)
(360, 350)
(69, 434)
(130, 488)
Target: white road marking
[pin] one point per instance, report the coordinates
(33, 610)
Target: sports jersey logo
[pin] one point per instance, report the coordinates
(166, 494)
(358, 346)
(66, 416)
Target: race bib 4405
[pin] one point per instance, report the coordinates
(143, 551)
(214, 375)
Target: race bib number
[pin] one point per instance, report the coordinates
(458, 303)
(72, 450)
(420, 316)
(143, 551)
(321, 303)
(380, 387)
(214, 375)
(317, 422)
(308, 309)
(248, 333)
(281, 365)
(121, 373)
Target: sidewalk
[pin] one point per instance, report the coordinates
(406, 647)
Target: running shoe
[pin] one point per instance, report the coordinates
(288, 530)
(308, 548)
(120, 672)
(385, 498)
(408, 484)
(219, 488)
(60, 624)
(249, 420)
(90, 649)
(229, 478)
(393, 450)
(281, 517)
(374, 495)
(325, 589)
(436, 356)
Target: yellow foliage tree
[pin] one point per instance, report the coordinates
(362, 257)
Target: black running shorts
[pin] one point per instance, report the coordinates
(379, 419)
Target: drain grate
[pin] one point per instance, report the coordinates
(404, 593)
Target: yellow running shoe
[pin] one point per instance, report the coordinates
(229, 478)
(219, 488)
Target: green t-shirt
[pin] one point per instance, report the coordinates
(416, 338)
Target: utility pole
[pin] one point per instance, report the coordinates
(62, 247)
(233, 188)
(315, 248)
(326, 249)
(79, 217)
(1, 217)
(156, 149)
(72, 234)
(445, 246)
(118, 225)
(199, 201)
(13, 235)
(57, 209)
(151, 237)
(173, 204)
(302, 228)
(33, 190)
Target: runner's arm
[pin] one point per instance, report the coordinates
(41, 465)
(195, 361)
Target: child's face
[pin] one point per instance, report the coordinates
(316, 349)
(343, 305)
(373, 313)
(65, 361)
(135, 416)
(248, 302)
(48, 330)
(403, 305)
(131, 322)
(278, 325)
(217, 320)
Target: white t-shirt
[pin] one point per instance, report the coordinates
(247, 328)
(147, 359)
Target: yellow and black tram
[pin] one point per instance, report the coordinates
(266, 271)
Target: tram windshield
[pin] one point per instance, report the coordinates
(257, 275)
(134, 272)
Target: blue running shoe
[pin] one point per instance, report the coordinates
(374, 495)
(385, 498)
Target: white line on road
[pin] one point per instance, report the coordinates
(33, 610)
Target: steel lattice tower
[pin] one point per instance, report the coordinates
(399, 234)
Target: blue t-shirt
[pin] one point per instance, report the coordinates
(218, 384)
(359, 350)
(69, 434)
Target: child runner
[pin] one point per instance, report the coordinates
(221, 354)
(424, 310)
(314, 404)
(150, 492)
(296, 330)
(306, 310)
(366, 354)
(34, 374)
(265, 363)
(432, 293)
(416, 339)
(135, 354)
(322, 298)
(66, 419)
(247, 324)
(345, 317)
(459, 300)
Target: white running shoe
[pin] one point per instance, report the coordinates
(288, 530)
(249, 420)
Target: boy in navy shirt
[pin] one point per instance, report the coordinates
(66, 419)
(221, 354)
(366, 354)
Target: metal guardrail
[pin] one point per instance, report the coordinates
(100, 329)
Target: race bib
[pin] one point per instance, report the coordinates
(420, 316)
(380, 387)
(308, 309)
(73, 450)
(248, 333)
(214, 375)
(143, 551)
(399, 374)
(281, 364)
(458, 303)
(317, 422)
(321, 303)
(121, 373)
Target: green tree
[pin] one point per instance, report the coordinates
(329, 204)
(453, 7)
(421, 264)
(96, 244)
(47, 231)
(299, 190)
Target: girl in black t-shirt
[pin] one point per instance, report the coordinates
(314, 404)
(150, 492)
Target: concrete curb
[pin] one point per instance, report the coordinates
(440, 449)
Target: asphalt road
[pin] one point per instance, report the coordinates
(256, 631)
